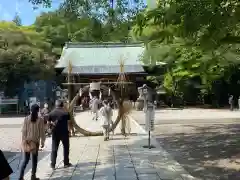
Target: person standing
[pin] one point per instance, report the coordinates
(239, 102)
(45, 110)
(32, 132)
(44, 113)
(106, 116)
(59, 119)
(230, 100)
(94, 104)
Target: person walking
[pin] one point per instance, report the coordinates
(106, 116)
(5, 169)
(33, 131)
(94, 104)
(59, 119)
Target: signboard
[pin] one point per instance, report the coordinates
(8, 101)
(149, 117)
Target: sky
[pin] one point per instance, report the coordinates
(9, 8)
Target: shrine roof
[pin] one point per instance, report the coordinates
(101, 58)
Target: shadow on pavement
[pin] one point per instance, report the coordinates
(125, 160)
(9, 154)
(210, 152)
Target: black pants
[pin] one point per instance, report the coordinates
(55, 144)
(26, 158)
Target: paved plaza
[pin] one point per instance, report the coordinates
(187, 147)
(121, 158)
(206, 142)
(10, 135)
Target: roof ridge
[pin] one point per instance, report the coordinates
(102, 44)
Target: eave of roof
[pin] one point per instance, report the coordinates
(104, 70)
(100, 54)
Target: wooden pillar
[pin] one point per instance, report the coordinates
(70, 88)
(70, 92)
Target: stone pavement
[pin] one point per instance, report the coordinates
(121, 158)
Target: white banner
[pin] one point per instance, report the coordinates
(94, 86)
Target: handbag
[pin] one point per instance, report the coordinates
(29, 146)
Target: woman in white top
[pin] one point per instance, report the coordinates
(106, 118)
(95, 102)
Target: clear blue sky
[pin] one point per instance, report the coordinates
(8, 9)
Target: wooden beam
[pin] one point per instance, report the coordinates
(100, 82)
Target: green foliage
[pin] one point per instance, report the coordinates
(24, 56)
(30, 51)
(198, 41)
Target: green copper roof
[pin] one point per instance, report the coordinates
(101, 58)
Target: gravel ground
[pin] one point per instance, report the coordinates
(209, 152)
(208, 148)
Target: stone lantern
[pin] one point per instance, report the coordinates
(145, 97)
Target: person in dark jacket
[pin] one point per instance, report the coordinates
(59, 119)
(5, 169)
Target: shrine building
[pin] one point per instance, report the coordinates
(84, 63)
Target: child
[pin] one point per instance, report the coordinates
(106, 118)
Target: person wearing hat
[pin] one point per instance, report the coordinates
(59, 118)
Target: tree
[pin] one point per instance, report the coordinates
(206, 23)
(197, 40)
(17, 20)
(24, 56)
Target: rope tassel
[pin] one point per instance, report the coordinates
(109, 92)
(80, 92)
